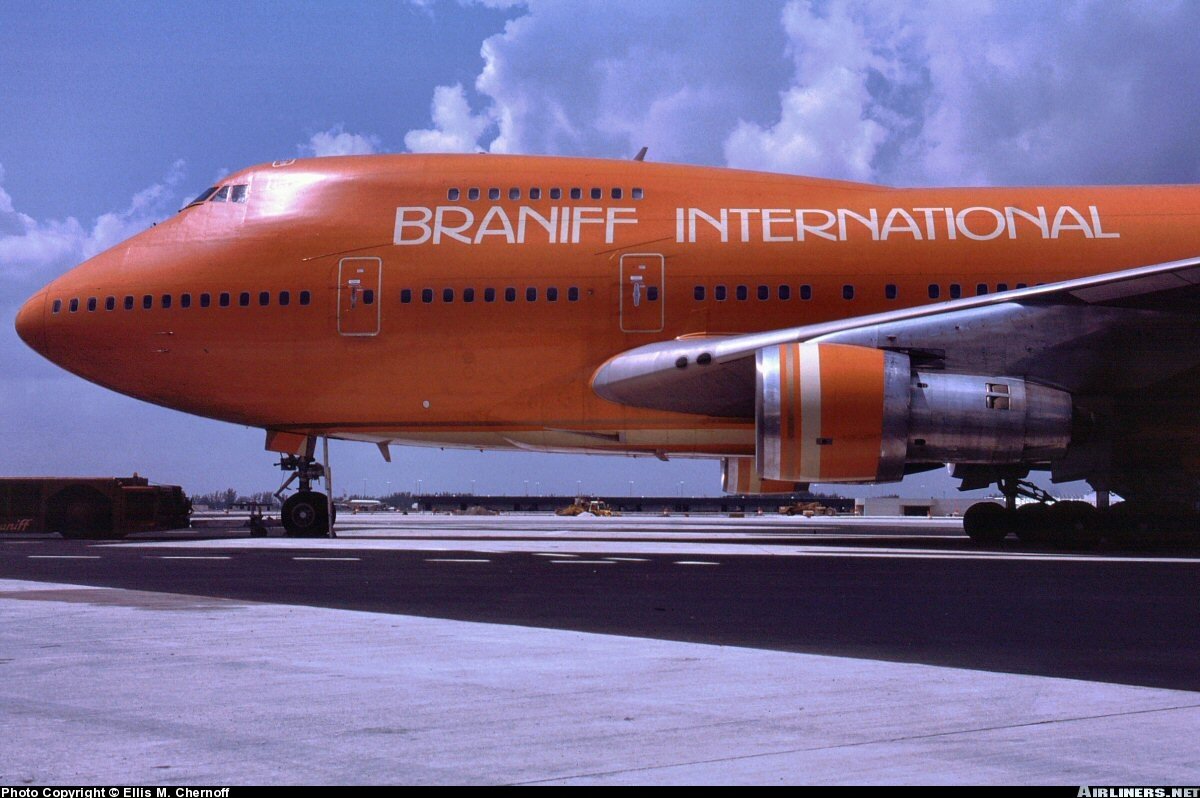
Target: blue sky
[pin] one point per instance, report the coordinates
(114, 113)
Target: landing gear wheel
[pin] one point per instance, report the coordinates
(1033, 523)
(987, 523)
(306, 515)
(1074, 525)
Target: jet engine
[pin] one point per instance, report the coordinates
(843, 413)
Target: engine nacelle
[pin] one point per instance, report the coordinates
(842, 413)
(740, 475)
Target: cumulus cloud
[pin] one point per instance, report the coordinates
(964, 92)
(336, 141)
(31, 248)
(455, 128)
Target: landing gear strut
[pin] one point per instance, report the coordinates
(306, 513)
(1069, 524)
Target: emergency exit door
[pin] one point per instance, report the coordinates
(642, 305)
(358, 296)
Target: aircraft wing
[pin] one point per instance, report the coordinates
(1107, 334)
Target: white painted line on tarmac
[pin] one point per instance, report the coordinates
(583, 562)
(329, 559)
(191, 557)
(63, 556)
(452, 559)
(695, 562)
(549, 554)
(628, 559)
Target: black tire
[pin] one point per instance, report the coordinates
(81, 513)
(1075, 525)
(306, 515)
(987, 523)
(1032, 523)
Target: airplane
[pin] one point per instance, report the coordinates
(799, 330)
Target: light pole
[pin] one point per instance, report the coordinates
(526, 487)
(472, 487)
(579, 487)
(681, 488)
(631, 488)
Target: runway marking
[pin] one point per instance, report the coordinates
(583, 562)
(695, 562)
(63, 556)
(452, 559)
(329, 559)
(628, 559)
(192, 557)
(548, 554)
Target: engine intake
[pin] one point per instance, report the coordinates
(842, 413)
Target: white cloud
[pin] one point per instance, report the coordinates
(336, 141)
(455, 128)
(31, 248)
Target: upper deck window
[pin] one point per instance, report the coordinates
(493, 193)
(472, 194)
(597, 193)
(535, 193)
(556, 193)
(452, 195)
(637, 193)
(514, 193)
(576, 193)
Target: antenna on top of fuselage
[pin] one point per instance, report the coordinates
(641, 156)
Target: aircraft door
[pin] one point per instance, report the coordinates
(642, 294)
(358, 296)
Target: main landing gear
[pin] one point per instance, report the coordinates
(1066, 524)
(306, 513)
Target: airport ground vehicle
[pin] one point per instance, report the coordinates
(90, 507)
(581, 506)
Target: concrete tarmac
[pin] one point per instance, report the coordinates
(536, 649)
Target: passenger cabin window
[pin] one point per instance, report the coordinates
(57, 306)
(305, 297)
(447, 295)
(405, 296)
(572, 294)
(489, 295)
(472, 194)
(981, 289)
(91, 304)
(616, 193)
(1021, 285)
(128, 303)
(73, 305)
(238, 194)
(452, 195)
(576, 193)
(244, 299)
(285, 298)
(652, 293)
(955, 290)
(110, 303)
(637, 193)
(468, 295)
(166, 301)
(426, 295)
(806, 292)
(514, 193)
(185, 301)
(847, 292)
(764, 292)
(1001, 286)
(785, 292)
(510, 295)
(205, 300)
(493, 193)
(719, 293)
(535, 193)
(935, 290)
(551, 294)
(223, 300)
(147, 302)
(597, 193)
(698, 293)
(264, 298)
(743, 293)
(555, 193)
(531, 294)
(890, 291)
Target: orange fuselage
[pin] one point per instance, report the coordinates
(433, 315)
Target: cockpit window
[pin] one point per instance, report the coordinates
(205, 194)
(238, 194)
(222, 195)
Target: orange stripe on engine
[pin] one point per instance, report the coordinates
(852, 411)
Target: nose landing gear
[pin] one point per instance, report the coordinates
(306, 513)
